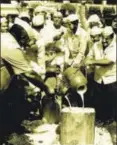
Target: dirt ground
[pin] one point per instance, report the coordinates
(48, 134)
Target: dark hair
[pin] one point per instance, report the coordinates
(20, 35)
(112, 36)
(26, 19)
(67, 7)
(52, 47)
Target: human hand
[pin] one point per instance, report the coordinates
(57, 37)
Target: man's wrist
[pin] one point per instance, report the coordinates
(93, 61)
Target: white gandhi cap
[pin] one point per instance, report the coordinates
(93, 18)
(107, 31)
(24, 14)
(57, 14)
(71, 18)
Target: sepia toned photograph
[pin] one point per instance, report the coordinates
(58, 76)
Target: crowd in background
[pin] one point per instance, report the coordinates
(46, 41)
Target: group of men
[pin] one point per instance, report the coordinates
(50, 42)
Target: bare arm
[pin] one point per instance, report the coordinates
(100, 62)
(36, 80)
(83, 15)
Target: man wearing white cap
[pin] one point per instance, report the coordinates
(22, 62)
(39, 17)
(103, 57)
(40, 10)
(37, 24)
(50, 33)
(74, 39)
(94, 20)
(95, 34)
(54, 30)
(42, 33)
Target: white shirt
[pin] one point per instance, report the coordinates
(49, 32)
(10, 52)
(46, 35)
(107, 74)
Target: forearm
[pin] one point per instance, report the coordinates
(102, 62)
(36, 80)
(83, 17)
(78, 58)
(81, 55)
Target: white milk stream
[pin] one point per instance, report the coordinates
(68, 101)
(81, 93)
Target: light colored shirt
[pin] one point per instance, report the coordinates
(107, 74)
(49, 32)
(76, 45)
(11, 53)
(46, 36)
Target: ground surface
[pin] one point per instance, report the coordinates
(48, 134)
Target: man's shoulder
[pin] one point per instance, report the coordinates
(112, 46)
(64, 29)
(11, 41)
(81, 31)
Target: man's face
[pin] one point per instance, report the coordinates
(96, 38)
(106, 40)
(65, 13)
(57, 21)
(72, 26)
(93, 24)
(50, 55)
(114, 25)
